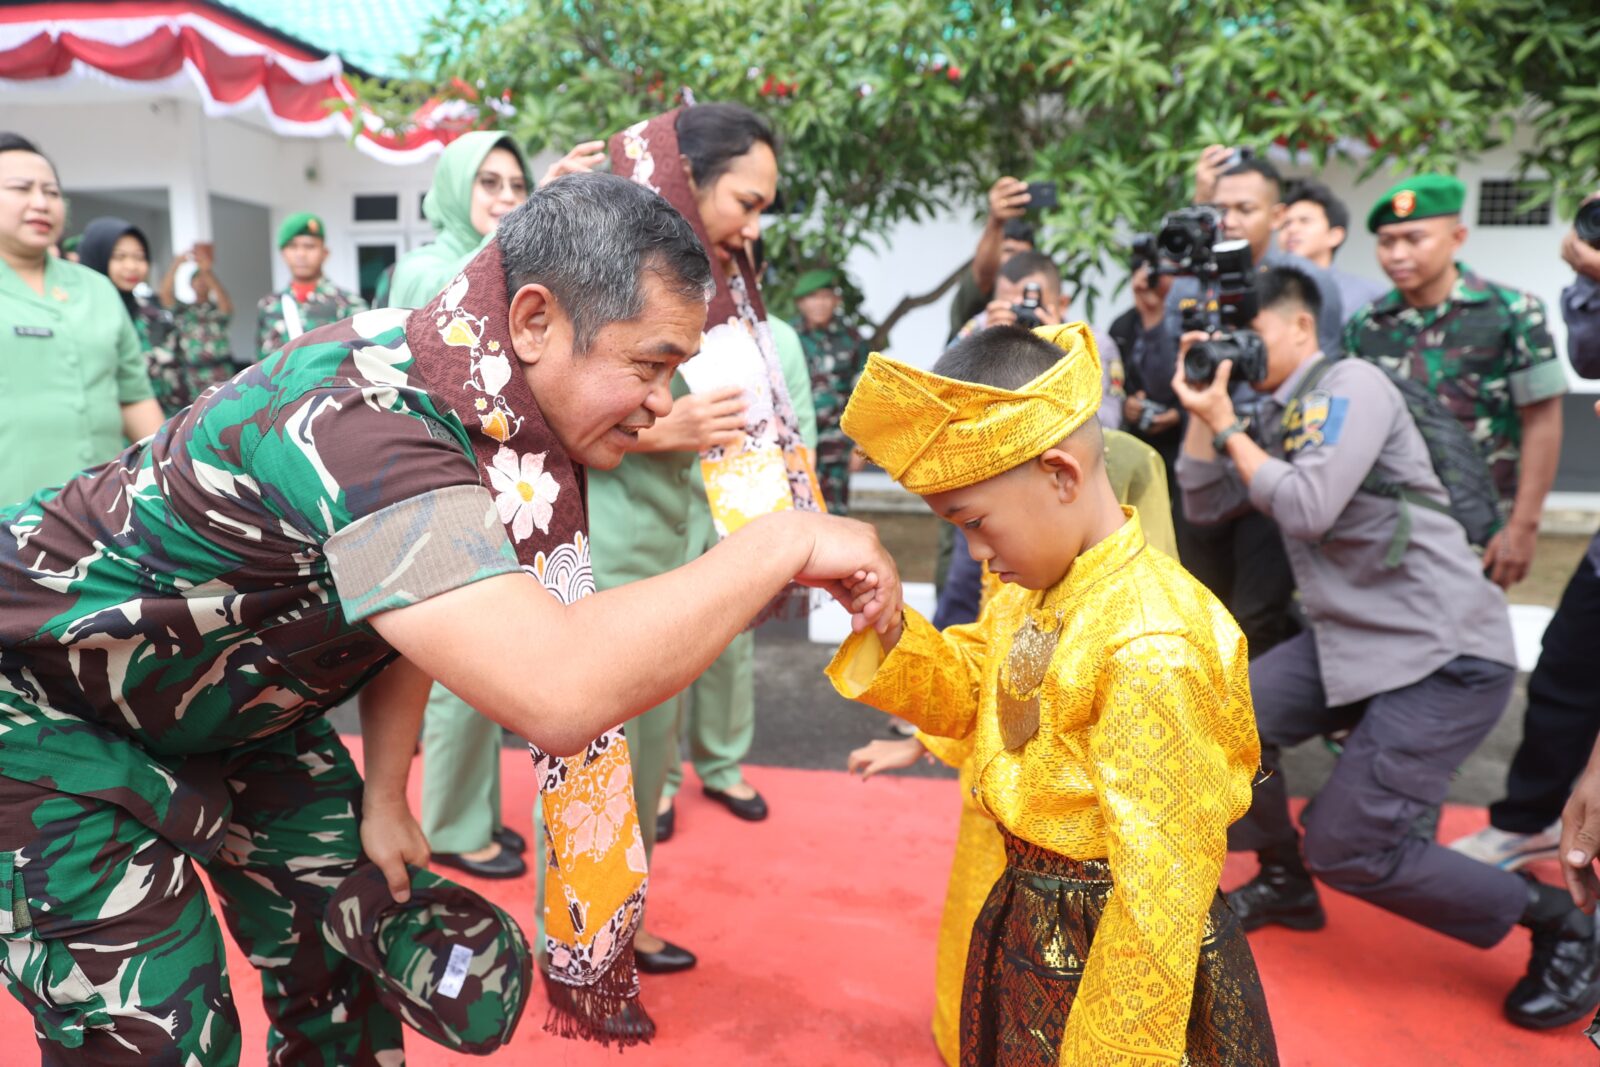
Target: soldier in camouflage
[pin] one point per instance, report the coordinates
(834, 356)
(1484, 349)
(179, 620)
(310, 300)
(202, 323)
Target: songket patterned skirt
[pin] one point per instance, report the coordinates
(1026, 959)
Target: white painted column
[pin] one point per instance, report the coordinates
(189, 194)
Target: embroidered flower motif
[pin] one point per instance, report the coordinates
(596, 825)
(525, 492)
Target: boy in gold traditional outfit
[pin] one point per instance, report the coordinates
(1105, 695)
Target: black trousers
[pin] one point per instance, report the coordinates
(1243, 562)
(1359, 829)
(1563, 717)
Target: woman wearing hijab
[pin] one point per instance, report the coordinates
(73, 376)
(729, 449)
(119, 250)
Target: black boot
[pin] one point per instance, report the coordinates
(1281, 893)
(1563, 980)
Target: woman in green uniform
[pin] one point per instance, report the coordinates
(73, 376)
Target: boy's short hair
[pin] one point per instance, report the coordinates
(1005, 357)
(1288, 288)
(1023, 264)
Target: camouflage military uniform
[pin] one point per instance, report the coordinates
(328, 303)
(207, 352)
(834, 356)
(163, 355)
(1485, 352)
(177, 622)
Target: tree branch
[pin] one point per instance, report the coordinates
(908, 304)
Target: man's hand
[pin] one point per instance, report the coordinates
(1150, 300)
(999, 313)
(876, 757)
(1008, 199)
(1208, 170)
(1580, 837)
(698, 422)
(1580, 256)
(848, 562)
(1212, 405)
(1509, 554)
(582, 159)
(391, 838)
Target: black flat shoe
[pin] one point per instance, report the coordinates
(1277, 895)
(506, 864)
(1563, 980)
(670, 960)
(510, 839)
(752, 810)
(666, 822)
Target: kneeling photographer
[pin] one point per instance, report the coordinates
(1409, 646)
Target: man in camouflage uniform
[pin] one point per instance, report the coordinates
(835, 355)
(201, 324)
(310, 300)
(1484, 349)
(179, 620)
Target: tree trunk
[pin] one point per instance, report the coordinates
(880, 337)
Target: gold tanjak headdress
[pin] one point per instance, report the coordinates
(933, 434)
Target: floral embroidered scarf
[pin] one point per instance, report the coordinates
(769, 469)
(596, 876)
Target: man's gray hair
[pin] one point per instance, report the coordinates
(589, 238)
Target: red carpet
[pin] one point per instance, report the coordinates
(816, 932)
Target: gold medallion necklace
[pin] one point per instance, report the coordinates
(1023, 673)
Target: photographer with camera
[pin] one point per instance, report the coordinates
(1409, 648)
(1563, 716)
(1239, 198)
(1006, 232)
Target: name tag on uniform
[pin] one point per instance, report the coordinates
(33, 331)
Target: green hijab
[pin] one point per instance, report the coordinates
(422, 272)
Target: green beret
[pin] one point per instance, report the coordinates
(456, 968)
(301, 223)
(1424, 196)
(70, 244)
(812, 280)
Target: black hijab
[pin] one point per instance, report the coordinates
(94, 250)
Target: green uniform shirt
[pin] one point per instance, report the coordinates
(207, 590)
(835, 356)
(203, 337)
(69, 360)
(1485, 352)
(328, 303)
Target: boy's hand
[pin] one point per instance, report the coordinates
(862, 588)
(878, 756)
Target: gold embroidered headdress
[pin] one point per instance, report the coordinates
(933, 434)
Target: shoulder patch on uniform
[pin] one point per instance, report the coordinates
(1316, 420)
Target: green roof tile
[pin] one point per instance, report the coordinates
(371, 34)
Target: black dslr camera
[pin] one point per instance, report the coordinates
(1027, 312)
(1588, 224)
(1187, 246)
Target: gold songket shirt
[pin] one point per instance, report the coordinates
(1109, 717)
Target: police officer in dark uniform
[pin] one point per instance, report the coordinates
(1409, 647)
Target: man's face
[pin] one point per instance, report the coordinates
(1049, 291)
(818, 308)
(596, 402)
(1305, 232)
(1010, 246)
(1417, 253)
(1250, 209)
(305, 255)
(1290, 335)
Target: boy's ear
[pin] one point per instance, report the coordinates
(1065, 470)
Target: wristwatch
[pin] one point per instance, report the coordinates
(1220, 441)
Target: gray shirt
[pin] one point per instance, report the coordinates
(1376, 629)
(1580, 309)
(1356, 292)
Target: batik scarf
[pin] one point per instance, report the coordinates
(768, 469)
(595, 877)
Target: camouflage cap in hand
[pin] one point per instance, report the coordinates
(456, 968)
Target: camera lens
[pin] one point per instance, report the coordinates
(1588, 223)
